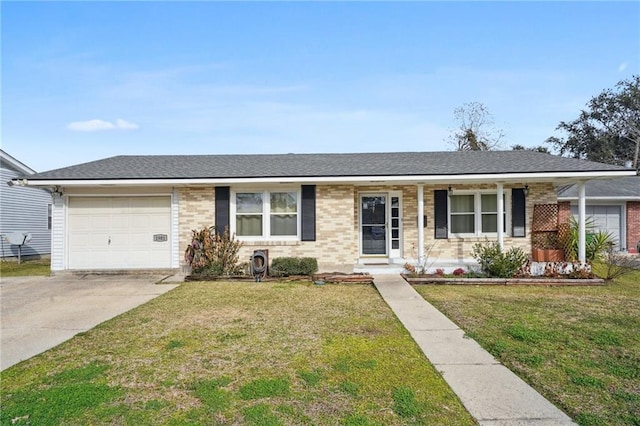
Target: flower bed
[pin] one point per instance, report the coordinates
(547, 281)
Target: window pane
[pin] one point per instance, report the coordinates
(284, 202)
(461, 203)
(249, 202)
(373, 210)
(249, 225)
(284, 224)
(489, 203)
(462, 224)
(489, 223)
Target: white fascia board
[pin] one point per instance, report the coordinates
(530, 177)
(16, 164)
(612, 199)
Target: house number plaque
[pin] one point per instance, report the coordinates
(160, 238)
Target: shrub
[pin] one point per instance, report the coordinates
(496, 263)
(459, 272)
(616, 264)
(213, 254)
(285, 266)
(596, 244)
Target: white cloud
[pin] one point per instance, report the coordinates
(125, 125)
(622, 66)
(100, 125)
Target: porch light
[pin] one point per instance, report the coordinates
(450, 190)
(526, 190)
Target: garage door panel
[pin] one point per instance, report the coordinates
(128, 222)
(606, 218)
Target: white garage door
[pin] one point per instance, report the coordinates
(606, 218)
(119, 232)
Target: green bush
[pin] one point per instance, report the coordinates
(496, 263)
(596, 244)
(285, 266)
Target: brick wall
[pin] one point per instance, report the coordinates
(564, 212)
(336, 232)
(633, 225)
(461, 248)
(196, 210)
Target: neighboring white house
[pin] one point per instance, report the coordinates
(23, 209)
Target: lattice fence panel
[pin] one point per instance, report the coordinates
(545, 217)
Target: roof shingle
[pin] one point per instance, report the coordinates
(320, 165)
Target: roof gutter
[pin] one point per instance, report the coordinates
(520, 177)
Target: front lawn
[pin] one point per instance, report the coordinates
(578, 346)
(237, 353)
(9, 268)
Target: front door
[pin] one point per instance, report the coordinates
(373, 222)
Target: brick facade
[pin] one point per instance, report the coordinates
(337, 223)
(564, 212)
(633, 226)
(195, 211)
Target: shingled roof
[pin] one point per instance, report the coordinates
(625, 188)
(321, 165)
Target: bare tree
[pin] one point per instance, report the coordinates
(476, 130)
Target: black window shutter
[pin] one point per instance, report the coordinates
(441, 219)
(518, 213)
(222, 208)
(308, 213)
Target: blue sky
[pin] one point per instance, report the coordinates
(87, 80)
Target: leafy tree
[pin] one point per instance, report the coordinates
(608, 130)
(476, 130)
(538, 148)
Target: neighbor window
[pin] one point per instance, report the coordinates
(266, 214)
(475, 213)
(49, 216)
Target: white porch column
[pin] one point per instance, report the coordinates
(420, 222)
(500, 199)
(582, 228)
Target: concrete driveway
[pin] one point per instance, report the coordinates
(39, 313)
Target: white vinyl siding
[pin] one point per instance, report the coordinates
(23, 209)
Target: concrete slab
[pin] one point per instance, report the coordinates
(451, 347)
(39, 313)
(493, 395)
(493, 392)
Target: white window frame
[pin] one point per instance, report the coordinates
(266, 214)
(477, 213)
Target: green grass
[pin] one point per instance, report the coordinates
(578, 346)
(25, 268)
(237, 353)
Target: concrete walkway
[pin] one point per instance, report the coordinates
(490, 392)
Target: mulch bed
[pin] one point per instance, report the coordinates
(342, 278)
(328, 277)
(544, 281)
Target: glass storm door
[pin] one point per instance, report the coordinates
(373, 214)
